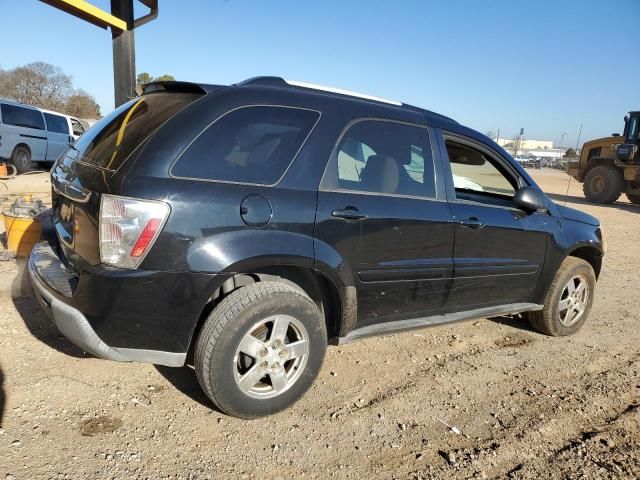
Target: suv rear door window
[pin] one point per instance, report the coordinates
(111, 140)
(21, 117)
(249, 145)
(56, 123)
(386, 157)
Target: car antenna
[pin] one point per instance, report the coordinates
(566, 195)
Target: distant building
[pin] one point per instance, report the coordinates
(546, 153)
(527, 144)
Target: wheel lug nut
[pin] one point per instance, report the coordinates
(283, 353)
(275, 345)
(264, 364)
(275, 366)
(263, 352)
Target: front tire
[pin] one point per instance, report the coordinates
(260, 349)
(21, 159)
(568, 301)
(603, 184)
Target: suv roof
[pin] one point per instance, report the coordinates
(281, 83)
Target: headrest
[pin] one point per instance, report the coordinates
(381, 174)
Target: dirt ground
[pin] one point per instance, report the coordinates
(528, 406)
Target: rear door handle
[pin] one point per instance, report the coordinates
(348, 213)
(472, 222)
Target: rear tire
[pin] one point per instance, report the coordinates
(565, 309)
(634, 198)
(603, 184)
(260, 349)
(21, 159)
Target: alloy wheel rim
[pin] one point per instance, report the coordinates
(573, 300)
(271, 356)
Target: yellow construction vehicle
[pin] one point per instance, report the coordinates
(607, 167)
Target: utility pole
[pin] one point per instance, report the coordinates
(124, 53)
(564, 135)
(122, 24)
(519, 144)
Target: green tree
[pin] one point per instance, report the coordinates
(164, 78)
(46, 86)
(570, 153)
(145, 77)
(82, 105)
(39, 84)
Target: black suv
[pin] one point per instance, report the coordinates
(250, 225)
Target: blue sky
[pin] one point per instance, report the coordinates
(543, 65)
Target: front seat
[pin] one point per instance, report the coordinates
(380, 174)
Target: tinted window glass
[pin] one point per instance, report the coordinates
(634, 130)
(477, 173)
(251, 145)
(116, 136)
(56, 123)
(385, 157)
(22, 117)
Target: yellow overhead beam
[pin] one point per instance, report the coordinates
(88, 12)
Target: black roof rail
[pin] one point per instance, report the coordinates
(176, 86)
(272, 81)
(429, 113)
(269, 81)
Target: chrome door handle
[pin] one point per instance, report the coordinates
(348, 213)
(472, 222)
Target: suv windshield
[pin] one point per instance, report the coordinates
(111, 140)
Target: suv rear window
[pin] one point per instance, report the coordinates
(250, 145)
(112, 139)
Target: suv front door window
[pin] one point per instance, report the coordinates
(477, 177)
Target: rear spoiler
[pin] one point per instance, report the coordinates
(177, 87)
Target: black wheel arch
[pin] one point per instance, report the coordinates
(24, 145)
(590, 254)
(329, 297)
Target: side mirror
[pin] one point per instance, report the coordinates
(530, 199)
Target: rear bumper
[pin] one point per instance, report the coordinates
(71, 322)
(95, 310)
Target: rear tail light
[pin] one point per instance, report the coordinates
(128, 229)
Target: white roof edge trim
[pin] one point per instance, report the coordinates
(341, 92)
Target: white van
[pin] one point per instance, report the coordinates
(32, 134)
